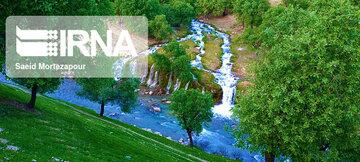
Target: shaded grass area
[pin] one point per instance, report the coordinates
(191, 49)
(211, 60)
(179, 32)
(58, 131)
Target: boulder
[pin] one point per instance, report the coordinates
(151, 92)
(112, 114)
(156, 109)
(158, 133)
(167, 102)
(181, 140)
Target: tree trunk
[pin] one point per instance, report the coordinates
(102, 108)
(269, 157)
(31, 103)
(190, 137)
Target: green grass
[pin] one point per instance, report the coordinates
(191, 49)
(211, 60)
(59, 131)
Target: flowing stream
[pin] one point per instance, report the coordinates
(223, 76)
(213, 139)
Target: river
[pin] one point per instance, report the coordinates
(213, 139)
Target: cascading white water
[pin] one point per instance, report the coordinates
(169, 83)
(155, 80)
(150, 75)
(223, 76)
(187, 85)
(177, 85)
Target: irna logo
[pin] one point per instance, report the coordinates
(63, 42)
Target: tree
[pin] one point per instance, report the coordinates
(107, 90)
(162, 62)
(50, 7)
(304, 101)
(181, 67)
(250, 11)
(127, 90)
(160, 28)
(182, 13)
(192, 109)
(43, 85)
(148, 8)
(174, 49)
(213, 7)
(299, 3)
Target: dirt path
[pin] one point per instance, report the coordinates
(114, 124)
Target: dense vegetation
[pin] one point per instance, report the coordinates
(304, 100)
(192, 109)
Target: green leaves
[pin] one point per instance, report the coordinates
(160, 28)
(192, 108)
(306, 84)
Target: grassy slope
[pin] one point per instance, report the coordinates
(61, 132)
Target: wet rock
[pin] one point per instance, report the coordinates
(163, 100)
(169, 138)
(158, 133)
(167, 102)
(112, 114)
(181, 140)
(3, 141)
(12, 148)
(151, 92)
(156, 109)
(228, 64)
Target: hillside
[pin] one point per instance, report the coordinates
(62, 131)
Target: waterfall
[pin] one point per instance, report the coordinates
(177, 85)
(187, 85)
(150, 75)
(223, 76)
(169, 83)
(155, 80)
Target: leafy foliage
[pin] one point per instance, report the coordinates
(160, 28)
(192, 109)
(182, 13)
(181, 67)
(174, 49)
(148, 8)
(299, 3)
(107, 90)
(250, 12)
(305, 93)
(162, 62)
(45, 85)
(213, 7)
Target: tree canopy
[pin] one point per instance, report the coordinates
(160, 28)
(304, 101)
(107, 90)
(192, 109)
(251, 12)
